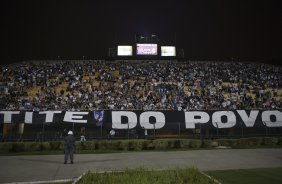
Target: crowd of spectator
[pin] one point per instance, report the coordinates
(143, 85)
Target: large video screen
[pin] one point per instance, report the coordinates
(124, 51)
(147, 49)
(168, 51)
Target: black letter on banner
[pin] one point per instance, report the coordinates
(8, 115)
(267, 120)
(75, 117)
(144, 120)
(116, 120)
(190, 119)
(248, 120)
(216, 119)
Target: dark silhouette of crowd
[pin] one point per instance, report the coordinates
(144, 85)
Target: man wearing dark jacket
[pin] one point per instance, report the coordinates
(69, 147)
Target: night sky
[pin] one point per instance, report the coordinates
(206, 29)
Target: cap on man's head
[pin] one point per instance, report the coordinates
(70, 133)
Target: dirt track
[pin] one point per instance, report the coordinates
(51, 167)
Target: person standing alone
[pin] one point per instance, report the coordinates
(69, 147)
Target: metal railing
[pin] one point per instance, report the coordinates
(47, 132)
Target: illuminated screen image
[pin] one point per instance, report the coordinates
(147, 49)
(168, 51)
(124, 51)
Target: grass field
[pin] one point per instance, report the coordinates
(190, 175)
(248, 176)
(143, 176)
(183, 176)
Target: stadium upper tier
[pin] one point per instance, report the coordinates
(144, 85)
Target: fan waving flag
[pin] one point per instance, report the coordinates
(99, 117)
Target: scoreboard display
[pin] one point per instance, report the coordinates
(168, 51)
(124, 51)
(147, 49)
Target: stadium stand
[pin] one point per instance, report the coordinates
(142, 85)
